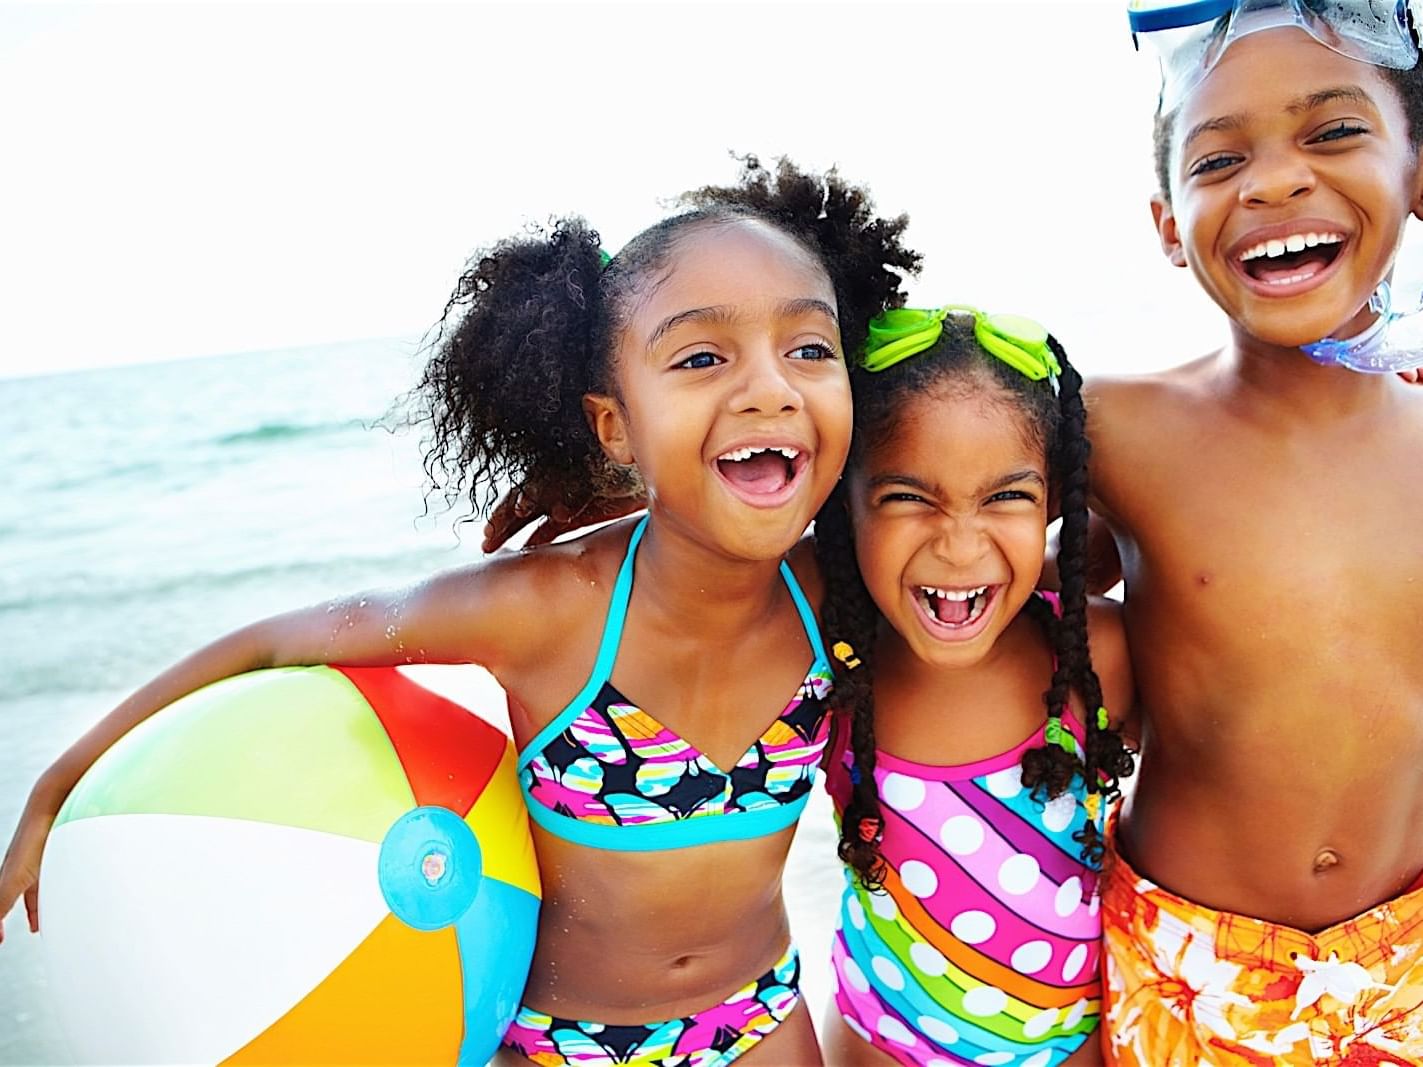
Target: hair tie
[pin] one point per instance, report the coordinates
(1102, 720)
(603, 259)
(854, 774)
(871, 829)
(1055, 734)
(1093, 804)
(842, 651)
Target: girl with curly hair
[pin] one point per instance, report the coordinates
(666, 678)
(971, 782)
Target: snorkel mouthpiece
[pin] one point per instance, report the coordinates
(1391, 343)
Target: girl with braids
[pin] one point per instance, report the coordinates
(970, 800)
(703, 362)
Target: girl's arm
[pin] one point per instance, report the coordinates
(497, 614)
(1104, 565)
(1111, 660)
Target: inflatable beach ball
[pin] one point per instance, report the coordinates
(305, 865)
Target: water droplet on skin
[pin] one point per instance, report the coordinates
(362, 603)
(390, 632)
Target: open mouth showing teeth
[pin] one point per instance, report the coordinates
(761, 470)
(1281, 261)
(955, 607)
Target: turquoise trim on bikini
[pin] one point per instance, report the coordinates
(607, 652)
(807, 616)
(683, 833)
(588, 782)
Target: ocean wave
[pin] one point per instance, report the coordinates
(269, 432)
(113, 638)
(77, 590)
(136, 471)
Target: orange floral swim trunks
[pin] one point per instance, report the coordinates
(1187, 985)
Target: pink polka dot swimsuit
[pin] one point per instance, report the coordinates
(983, 946)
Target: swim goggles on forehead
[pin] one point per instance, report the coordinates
(899, 333)
(1190, 36)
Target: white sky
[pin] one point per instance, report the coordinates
(182, 179)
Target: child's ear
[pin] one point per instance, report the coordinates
(1165, 221)
(608, 421)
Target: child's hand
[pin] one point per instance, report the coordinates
(519, 508)
(20, 873)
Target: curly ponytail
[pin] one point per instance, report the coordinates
(513, 355)
(864, 255)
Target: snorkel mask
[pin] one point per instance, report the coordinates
(1393, 343)
(899, 333)
(1190, 38)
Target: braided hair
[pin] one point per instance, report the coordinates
(534, 320)
(850, 619)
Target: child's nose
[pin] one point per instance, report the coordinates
(960, 541)
(1275, 176)
(764, 386)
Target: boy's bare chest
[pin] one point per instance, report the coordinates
(1270, 560)
(1274, 597)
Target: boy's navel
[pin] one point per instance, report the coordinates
(1325, 859)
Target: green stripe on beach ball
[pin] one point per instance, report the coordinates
(295, 746)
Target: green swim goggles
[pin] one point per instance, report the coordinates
(899, 333)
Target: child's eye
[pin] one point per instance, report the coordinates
(699, 361)
(1340, 131)
(1012, 494)
(1213, 163)
(813, 350)
(902, 497)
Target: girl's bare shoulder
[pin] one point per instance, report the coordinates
(502, 612)
(539, 594)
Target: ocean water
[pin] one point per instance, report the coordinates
(149, 509)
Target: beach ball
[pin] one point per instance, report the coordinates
(301, 865)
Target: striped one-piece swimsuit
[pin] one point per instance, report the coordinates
(983, 946)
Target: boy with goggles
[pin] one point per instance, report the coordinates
(1262, 904)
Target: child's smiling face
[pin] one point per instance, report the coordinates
(734, 400)
(1291, 179)
(950, 514)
